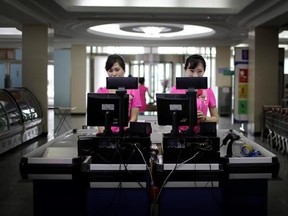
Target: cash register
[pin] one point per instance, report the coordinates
(181, 110)
(116, 162)
(111, 110)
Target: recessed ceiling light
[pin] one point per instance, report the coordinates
(151, 31)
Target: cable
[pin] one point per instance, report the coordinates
(108, 208)
(157, 197)
(101, 157)
(176, 166)
(126, 164)
(142, 156)
(213, 195)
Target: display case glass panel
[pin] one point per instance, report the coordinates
(9, 112)
(27, 103)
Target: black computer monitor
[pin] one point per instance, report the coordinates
(173, 109)
(122, 82)
(180, 109)
(191, 82)
(105, 110)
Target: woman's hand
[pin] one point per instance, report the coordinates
(100, 129)
(201, 116)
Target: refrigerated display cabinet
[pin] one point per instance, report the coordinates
(21, 117)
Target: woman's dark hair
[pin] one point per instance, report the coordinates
(141, 80)
(193, 61)
(112, 59)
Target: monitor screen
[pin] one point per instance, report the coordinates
(122, 82)
(104, 109)
(172, 109)
(191, 82)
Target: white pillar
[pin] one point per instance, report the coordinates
(35, 46)
(78, 78)
(263, 74)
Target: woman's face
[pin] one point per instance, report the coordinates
(116, 70)
(198, 71)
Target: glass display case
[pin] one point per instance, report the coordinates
(10, 115)
(21, 117)
(27, 103)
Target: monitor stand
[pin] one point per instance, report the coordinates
(175, 130)
(121, 92)
(191, 93)
(107, 130)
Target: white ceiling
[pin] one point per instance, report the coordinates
(195, 6)
(231, 19)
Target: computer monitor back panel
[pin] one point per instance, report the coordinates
(100, 105)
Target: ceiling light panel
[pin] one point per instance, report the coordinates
(183, 32)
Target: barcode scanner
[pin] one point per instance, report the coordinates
(229, 139)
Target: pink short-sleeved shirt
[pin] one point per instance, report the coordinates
(142, 91)
(205, 100)
(134, 101)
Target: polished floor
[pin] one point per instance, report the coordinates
(16, 194)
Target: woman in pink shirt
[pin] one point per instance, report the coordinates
(142, 91)
(115, 67)
(195, 66)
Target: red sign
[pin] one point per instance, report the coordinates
(243, 75)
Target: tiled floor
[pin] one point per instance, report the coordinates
(16, 195)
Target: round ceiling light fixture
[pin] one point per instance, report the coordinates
(151, 30)
(148, 31)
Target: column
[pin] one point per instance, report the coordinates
(223, 54)
(263, 74)
(224, 80)
(78, 78)
(35, 46)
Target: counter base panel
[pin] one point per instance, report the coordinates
(245, 197)
(117, 201)
(190, 201)
(58, 198)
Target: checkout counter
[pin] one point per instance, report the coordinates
(54, 169)
(66, 183)
(237, 185)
